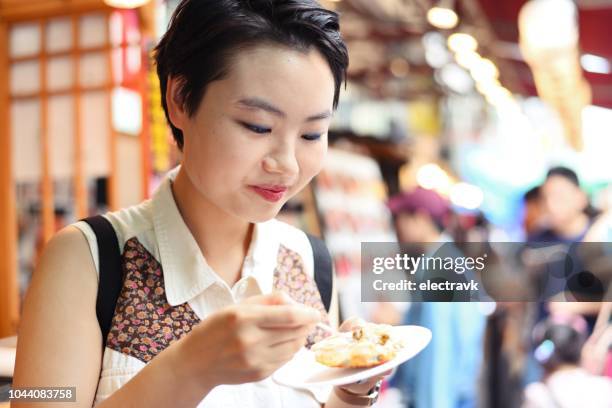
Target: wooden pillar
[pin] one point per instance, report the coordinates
(112, 186)
(48, 201)
(80, 189)
(145, 133)
(9, 289)
(147, 28)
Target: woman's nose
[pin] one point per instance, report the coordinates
(282, 161)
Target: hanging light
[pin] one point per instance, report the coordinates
(462, 42)
(487, 86)
(468, 59)
(548, 25)
(595, 63)
(443, 16)
(549, 42)
(432, 177)
(466, 195)
(483, 70)
(126, 4)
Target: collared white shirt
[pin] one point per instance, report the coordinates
(164, 263)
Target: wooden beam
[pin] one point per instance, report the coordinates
(112, 185)
(147, 16)
(9, 289)
(66, 53)
(145, 133)
(79, 185)
(57, 92)
(20, 10)
(48, 201)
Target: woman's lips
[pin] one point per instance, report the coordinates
(270, 193)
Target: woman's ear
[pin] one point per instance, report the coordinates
(174, 100)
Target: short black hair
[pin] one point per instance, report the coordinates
(564, 172)
(203, 35)
(557, 344)
(532, 194)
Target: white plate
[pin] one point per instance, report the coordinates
(304, 371)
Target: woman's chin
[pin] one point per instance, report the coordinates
(262, 216)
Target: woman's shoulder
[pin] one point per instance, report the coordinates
(289, 238)
(66, 256)
(129, 222)
(132, 220)
(65, 241)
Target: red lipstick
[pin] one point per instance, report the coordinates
(269, 192)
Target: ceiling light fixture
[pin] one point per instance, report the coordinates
(462, 42)
(468, 59)
(483, 70)
(595, 64)
(126, 4)
(549, 42)
(442, 15)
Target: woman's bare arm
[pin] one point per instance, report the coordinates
(59, 340)
(60, 343)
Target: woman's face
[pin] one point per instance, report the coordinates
(260, 134)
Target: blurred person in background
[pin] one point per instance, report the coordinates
(445, 374)
(506, 345)
(568, 217)
(533, 214)
(559, 341)
(420, 216)
(601, 231)
(597, 351)
(568, 212)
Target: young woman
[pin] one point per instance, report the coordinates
(248, 88)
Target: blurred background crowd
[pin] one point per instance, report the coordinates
(464, 121)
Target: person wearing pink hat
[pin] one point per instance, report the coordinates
(420, 215)
(427, 380)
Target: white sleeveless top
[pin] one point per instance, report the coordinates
(168, 288)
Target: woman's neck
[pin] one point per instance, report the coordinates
(223, 239)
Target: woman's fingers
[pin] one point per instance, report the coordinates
(283, 352)
(351, 323)
(275, 298)
(278, 310)
(285, 316)
(281, 336)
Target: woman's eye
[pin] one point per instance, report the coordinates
(311, 136)
(256, 129)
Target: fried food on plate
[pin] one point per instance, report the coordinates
(365, 346)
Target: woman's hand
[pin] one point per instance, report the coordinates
(246, 342)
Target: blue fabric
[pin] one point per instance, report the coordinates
(446, 373)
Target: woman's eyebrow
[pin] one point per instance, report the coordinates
(258, 103)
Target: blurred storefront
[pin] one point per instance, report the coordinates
(82, 127)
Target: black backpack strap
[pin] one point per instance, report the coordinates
(323, 272)
(110, 272)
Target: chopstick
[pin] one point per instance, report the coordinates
(320, 325)
(325, 327)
